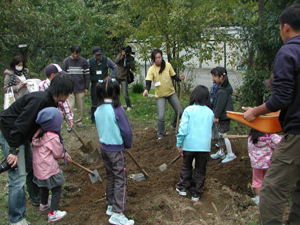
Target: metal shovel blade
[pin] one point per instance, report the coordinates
(163, 167)
(88, 147)
(91, 158)
(95, 176)
(137, 177)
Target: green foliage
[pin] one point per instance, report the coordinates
(262, 41)
(253, 87)
(138, 88)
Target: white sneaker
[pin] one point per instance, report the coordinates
(44, 207)
(256, 199)
(120, 219)
(218, 155)
(47, 206)
(195, 198)
(108, 210)
(128, 109)
(181, 192)
(22, 222)
(57, 215)
(228, 158)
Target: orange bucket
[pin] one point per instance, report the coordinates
(267, 123)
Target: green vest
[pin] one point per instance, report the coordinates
(94, 67)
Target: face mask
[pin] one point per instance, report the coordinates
(19, 68)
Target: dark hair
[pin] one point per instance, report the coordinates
(163, 63)
(61, 84)
(75, 48)
(16, 60)
(255, 134)
(221, 71)
(127, 49)
(200, 96)
(291, 16)
(110, 88)
(213, 71)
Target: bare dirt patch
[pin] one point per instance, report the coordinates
(154, 200)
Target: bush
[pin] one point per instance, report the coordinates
(138, 88)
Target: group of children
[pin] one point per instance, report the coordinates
(205, 113)
(115, 134)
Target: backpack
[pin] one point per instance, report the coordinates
(130, 77)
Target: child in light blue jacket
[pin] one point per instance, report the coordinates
(115, 136)
(194, 140)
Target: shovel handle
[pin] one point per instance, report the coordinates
(75, 132)
(233, 136)
(131, 156)
(178, 112)
(82, 167)
(174, 160)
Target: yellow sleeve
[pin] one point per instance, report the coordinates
(171, 71)
(150, 74)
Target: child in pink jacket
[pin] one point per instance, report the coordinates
(47, 148)
(260, 148)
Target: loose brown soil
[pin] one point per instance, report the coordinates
(226, 198)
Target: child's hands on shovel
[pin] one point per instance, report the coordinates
(179, 149)
(68, 158)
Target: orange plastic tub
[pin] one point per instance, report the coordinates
(265, 123)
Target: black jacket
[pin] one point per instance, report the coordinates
(286, 86)
(18, 121)
(223, 102)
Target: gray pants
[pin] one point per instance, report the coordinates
(282, 176)
(124, 87)
(161, 108)
(116, 177)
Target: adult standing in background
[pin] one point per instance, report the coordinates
(99, 65)
(77, 67)
(162, 73)
(284, 171)
(125, 62)
(16, 76)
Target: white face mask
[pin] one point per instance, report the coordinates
(19, 68)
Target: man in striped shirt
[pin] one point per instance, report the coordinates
(50, 71)
(78, 68)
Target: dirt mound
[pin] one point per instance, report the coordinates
(154, 200)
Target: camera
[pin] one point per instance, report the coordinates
(128, 51)
(4, 166)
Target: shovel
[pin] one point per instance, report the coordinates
(94, 175)
(178, 113)
(86, 147)
(233, 136)
(139, 176)
(166, 166)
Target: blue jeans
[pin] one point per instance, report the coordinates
(124, 86)
(17, 179)
(161, 108)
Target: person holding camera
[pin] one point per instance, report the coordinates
(17, 127)
(99, 65)
(125, 62)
